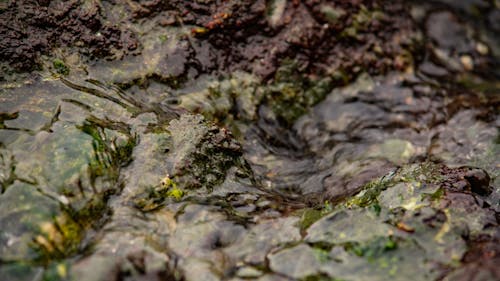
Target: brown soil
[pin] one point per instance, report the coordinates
(372, 36)
(31, 28)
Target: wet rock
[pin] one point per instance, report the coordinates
(173, 65)
(194, 268)
(469, 179)
(206, 240)
(7, 169)
(479, 181)
(409, 196)
(344, 226)
(273, 277)
(296, 262)
(203, 154)
(474, 139)
(112, 178)
(261, 238)
(446, 30)
(479, 261)
(22, 213)
(392, 264)
(456, 41)
(493, 19)
(396, 151)
(468, 215)
(248, 272)
(325, 129)
(430, 68)
(103, 268)
(415, 210)
(20, 272)
(140, 265)
(276, 10)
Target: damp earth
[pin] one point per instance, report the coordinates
(249, 140)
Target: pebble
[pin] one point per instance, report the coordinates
(467, 62)
(482, 49)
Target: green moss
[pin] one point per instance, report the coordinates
(60, 67)
(321, 255)
(289, 94)
(361, 20)
(163, 38)
(93, 209)
(57, 240)
(310, 216)
(376, 208)
(332, 15)
(209, 157)
(369, 194)
(372, 249)
(292, 93)
(56, 272)
(416, 174)
(437, 195)
(155, 197)
(210, 164)
(175, 193)
(112, 149)
(63, 236)
(425, 172)
(169, 184)
(86, 207)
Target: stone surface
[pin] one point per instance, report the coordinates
(249, 140)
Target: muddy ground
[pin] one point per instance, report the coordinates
(249, 140)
